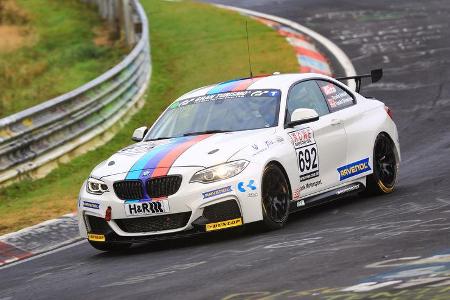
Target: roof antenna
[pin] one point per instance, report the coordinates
(248, 50)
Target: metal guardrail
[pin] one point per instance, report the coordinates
(41, 134)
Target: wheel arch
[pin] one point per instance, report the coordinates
(396, 151)
(279, 165)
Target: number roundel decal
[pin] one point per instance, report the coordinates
(307, 153)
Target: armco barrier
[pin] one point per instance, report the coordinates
(38, 136)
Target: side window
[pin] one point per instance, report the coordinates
(336, 97)
(306, 95)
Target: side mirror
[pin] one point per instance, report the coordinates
(302, 116)
(139, 133)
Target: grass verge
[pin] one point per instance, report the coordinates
(48, 48)
(193, 44)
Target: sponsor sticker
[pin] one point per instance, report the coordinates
(311, 184)
(147, 208)
(217, 192)
(92, 205)
(328, 89)
(246, 186)
(225, 96)
(96, 237)
(303, 137)
(354, 169)
(300, 203)
(224, 224)
(296, 194)
(348, 189)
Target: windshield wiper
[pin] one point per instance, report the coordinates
(205, 132)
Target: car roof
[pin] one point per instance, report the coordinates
(279, 81)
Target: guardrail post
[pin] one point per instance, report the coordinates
(128, 26)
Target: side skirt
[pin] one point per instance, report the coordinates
(341, 192)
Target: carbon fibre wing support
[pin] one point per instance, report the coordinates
(375, 75)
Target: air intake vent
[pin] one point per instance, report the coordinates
(155, 223)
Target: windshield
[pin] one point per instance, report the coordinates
(232, 111)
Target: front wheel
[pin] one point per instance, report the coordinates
(110, 247)
(275, 198)
(385, 167)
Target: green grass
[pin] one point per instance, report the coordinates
(193, 45)
(59, 53)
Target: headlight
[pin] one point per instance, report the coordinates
(220, 172)
(96, 187)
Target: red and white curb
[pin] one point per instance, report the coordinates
(309, 58)
(303, 39)
(37, 239)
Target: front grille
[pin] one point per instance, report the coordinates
(155, 223)
(129, 189)
(226, 210)
(163, 186)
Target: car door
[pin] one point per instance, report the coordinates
(341, 101)
(321, 145)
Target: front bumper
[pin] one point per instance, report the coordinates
(194, 209)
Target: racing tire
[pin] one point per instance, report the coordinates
(385, 167)
(110, 247)
(275, 198)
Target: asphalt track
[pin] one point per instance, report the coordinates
(327, 249)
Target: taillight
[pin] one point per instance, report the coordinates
(389, 112)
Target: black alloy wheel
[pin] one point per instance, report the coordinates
(385, 166)
(275, 197)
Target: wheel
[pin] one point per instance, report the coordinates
(110, 247)
(275, 198)
(384, 176)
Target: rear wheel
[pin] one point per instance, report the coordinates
(110, 247)
(384, 176)
(275, 198)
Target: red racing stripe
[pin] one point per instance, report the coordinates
(166, 163)
(244, 84)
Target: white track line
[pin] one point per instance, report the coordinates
(343, 59)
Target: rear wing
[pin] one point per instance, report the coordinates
(375, 75)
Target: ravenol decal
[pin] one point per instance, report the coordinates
(217, 192)
(224, 224)
(250, 185)
(354, 169)
(91, 205)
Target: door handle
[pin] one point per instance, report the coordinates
(335, 122)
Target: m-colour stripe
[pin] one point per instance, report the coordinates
(233, 86)
(161, 158)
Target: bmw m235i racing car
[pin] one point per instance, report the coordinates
(242, 151)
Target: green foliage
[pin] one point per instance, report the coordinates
(59, 54)
(193, 44)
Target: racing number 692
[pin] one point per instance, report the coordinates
(307, 159)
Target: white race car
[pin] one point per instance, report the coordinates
(241, 151)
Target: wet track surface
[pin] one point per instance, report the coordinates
(328, 248)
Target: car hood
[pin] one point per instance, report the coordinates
(192, 151)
